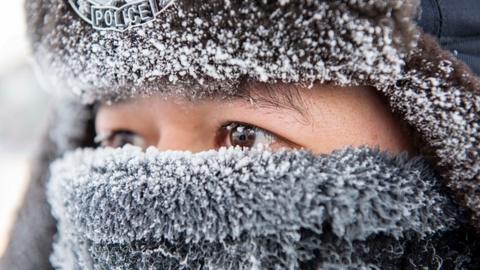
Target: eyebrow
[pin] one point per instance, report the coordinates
(277, 97)
(263, 95)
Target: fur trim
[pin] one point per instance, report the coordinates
(440, 97)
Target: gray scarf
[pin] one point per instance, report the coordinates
(252, 209)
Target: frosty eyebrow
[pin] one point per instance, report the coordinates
(275, 96)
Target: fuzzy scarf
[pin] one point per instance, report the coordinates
(254, 209)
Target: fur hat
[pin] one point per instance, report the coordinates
(199, 49)
(207, 47)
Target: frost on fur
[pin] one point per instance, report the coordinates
(247, 209)
(198, 49)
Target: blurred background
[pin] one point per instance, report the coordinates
(23, 108)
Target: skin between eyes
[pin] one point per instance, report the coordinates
(335, 117)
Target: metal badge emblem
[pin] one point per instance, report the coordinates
(118, 15)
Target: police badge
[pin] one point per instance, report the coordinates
(118, 15)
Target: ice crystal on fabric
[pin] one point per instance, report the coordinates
(239, 209)
(324, 41)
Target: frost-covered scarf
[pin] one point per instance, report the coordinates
(253, 209)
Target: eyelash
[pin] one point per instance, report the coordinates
(106, 139)
(223, 132)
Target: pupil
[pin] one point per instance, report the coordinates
(243, 136)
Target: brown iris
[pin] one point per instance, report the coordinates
(242, 135)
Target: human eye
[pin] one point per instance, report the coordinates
(119, 138)
(246, 135)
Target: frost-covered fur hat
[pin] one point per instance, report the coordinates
(207, 47)
(199, 49)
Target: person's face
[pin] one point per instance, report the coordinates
(326, 118)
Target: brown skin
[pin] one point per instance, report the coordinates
(331, 118)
